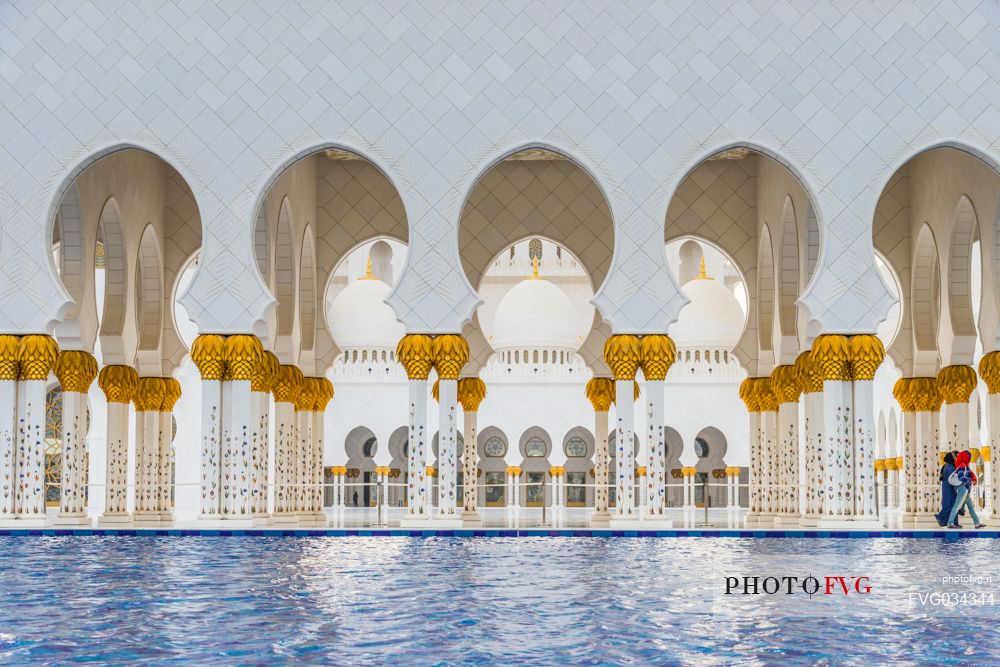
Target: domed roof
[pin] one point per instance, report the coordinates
(712, 320)
(360, 319)
(535, 314)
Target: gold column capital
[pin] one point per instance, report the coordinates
(471, 393)
(149, 394)
(383, 470)
(266, 373)
(808, 373)
(904, 394)
(956, 383)
(657, 354)
(324, 393)
(119, 383)
(36, 355)
(171, 394)
(748, 395)
(308, 395)
(601, 393)
(76, 370)
(557, 471)
(785, 384)
(986, 452)
(451, 353)
(287, 384)
(689, 471)
(762, 396)
(514, 470)
(925, 394)
(416, 355)
(867, 353)
(208, 352)
(10, 366)
(989, 370)
(622, 355)
(832, 354)
(243, 355)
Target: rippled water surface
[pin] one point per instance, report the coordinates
(546, 600)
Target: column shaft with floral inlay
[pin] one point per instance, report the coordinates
(657, 355)
(748, 392)
(148, 399)
(787, 388)
(811, 386)
(244, 354)
(165, 472)
(832, 354)
(767, 403)
(9, 374)
(76, 371)
(989, 370)
(260, 402)
(622, 354)
(451, 353)
(37, 355)
(416, 355)
(867, 353)
(601, 394)
(209, 354)
(471, 392)
(119, 384)
(305, 405)
(324, 393)
(286, 389)
(956, 384)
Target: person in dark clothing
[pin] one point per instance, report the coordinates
(356, 499)
(947, 490)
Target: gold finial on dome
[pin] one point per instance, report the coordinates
(702, 275)
(368, 270)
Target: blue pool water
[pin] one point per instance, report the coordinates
(545, 600)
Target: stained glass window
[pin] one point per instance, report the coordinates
(495, 447)
(576, 447)
(534, 447)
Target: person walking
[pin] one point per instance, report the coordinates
(947, 490)
(963, 479)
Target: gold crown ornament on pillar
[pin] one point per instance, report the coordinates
(749, 395)
(767, 400)
(867, 353)
(266, 373)
(308, 395)
(451, 353)
(243, 355)
(36, 355)
(208, 352)
(76, 370)
(956, 384)
(902, 391)
(324, 394)
(119, 383)
(657, 354)
(416, 355)
(601, 393)
(623, 356)
(832, 354)
(809, 376)
(989, 370)
(287, 384)
(471, 392)
(10, 367)
(785, 384)
(171, 394)
(149, 394)
(925, 395)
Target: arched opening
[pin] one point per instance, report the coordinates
(361, 446)
(710, 446)
(493, 446)
(535, 446)
(578, 446)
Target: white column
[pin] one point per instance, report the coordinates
(36, 356)
(625, 449)
(470, 465)
(865, 507)
(208, 354)
(416, 498)
(119, 385)
(956, 384)
(748, 392)
(286, 388)
(989, 370)
(601, 459)
(261, 384)
(304, 421)
(148, 399)
(656, 483)
(447, 449)
(244, 355)
(166, 457)
(9, 372)
(769, 451)
(324, 392)
(812, 423)
(787, 387)
(76, 370)
(832, 355)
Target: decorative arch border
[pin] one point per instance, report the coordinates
(925, 279)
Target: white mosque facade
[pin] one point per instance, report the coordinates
(613, 265)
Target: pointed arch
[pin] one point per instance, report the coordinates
(284, 270)
(788, 270)
(149, 290)
(960, 269)
(925, 293)
(307, 291)
(115, 270)
(261, 234)
(765, 290)
(812, 241)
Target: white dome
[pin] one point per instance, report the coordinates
(535, 314)
(360, 319)
(712, 320)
